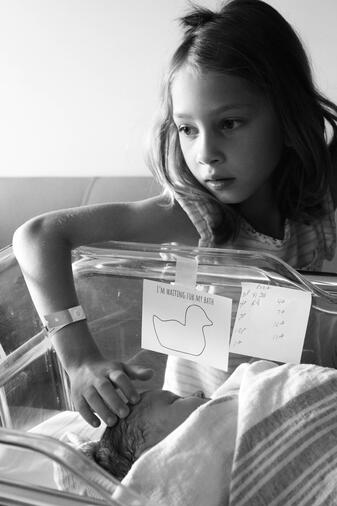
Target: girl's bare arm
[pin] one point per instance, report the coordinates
(43, 248)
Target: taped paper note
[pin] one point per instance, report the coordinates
(186, 271)
(271, 322)
(187, 323)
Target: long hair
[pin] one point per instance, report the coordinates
(251, 40)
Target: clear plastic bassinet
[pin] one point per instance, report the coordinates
(109, 281)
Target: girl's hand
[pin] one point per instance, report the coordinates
(94, 388)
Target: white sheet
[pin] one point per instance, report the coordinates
(36, 469)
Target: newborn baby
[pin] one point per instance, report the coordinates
(157, 414)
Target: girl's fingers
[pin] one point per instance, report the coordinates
(128, 393)
(109, 396)
(121, 380)
(138, 372)
(84, 409)
(99, 406)
(112, 400)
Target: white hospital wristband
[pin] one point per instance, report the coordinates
(54, 322)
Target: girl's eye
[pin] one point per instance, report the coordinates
(186, 130)
(230, 124)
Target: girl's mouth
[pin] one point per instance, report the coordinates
(220, 184)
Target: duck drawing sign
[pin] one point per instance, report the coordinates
(171, 333)
(180, 321)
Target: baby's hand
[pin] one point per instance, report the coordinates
(95, 386)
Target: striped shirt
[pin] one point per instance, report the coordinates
(303, 247)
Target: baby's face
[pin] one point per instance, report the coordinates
(160, 412)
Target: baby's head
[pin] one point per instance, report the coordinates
(157, 414)
(247, 40)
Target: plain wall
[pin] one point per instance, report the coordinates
(23, 198)
(80, 78)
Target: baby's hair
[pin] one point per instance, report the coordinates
(121, 445)
(251, 40)
(117, 449)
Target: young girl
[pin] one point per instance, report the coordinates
(242, 153)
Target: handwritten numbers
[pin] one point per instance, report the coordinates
(271, 322)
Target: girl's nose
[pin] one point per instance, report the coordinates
(209, 152)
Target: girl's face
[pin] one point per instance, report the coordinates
(229, 134)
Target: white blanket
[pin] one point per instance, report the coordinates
(268, 437)
(192, 466)
(279, 422)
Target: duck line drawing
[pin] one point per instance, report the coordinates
(176, 336)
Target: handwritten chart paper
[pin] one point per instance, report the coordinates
(271, 322)
(187, 323)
